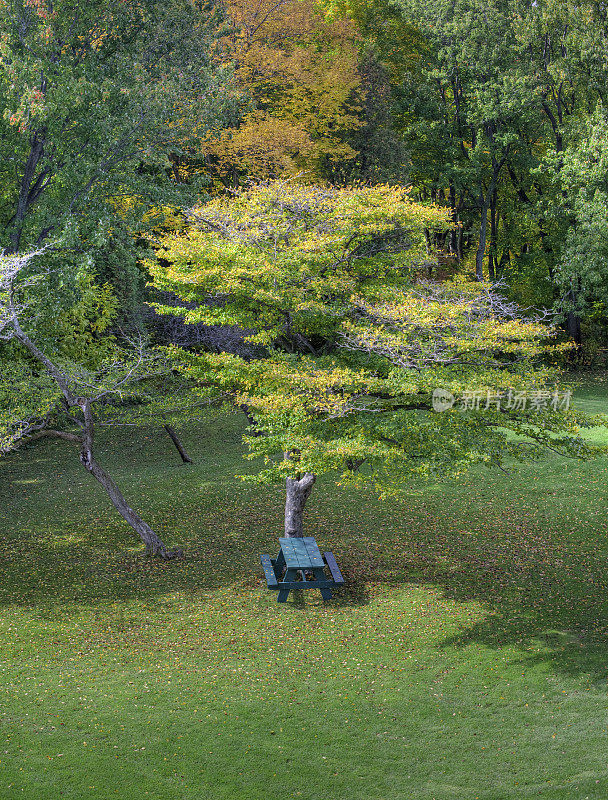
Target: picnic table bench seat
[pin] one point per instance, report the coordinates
(333, 568)
(300, 565)
(271, 578)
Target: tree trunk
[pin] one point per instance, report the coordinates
(493, 237)
(29, 190)
(573, 321)
(250, 419)
(297, 493)
(453, 216)
(483, 228)
(573, 324)
(504, 260)
(178, 444)
(154, 545)
(459, 243)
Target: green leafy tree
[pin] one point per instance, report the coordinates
(98, 103)
(66, 386)
(489, 97)
(355, 344)
(581, 174)
(90, 93)
(461, 108)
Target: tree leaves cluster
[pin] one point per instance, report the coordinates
(301, 76)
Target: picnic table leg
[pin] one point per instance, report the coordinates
(320, 576)
(290, 575)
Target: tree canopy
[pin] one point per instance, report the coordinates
(327, 282)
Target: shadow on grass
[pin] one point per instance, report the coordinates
(355, 592)
(549, 602)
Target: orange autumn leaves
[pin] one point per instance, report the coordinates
(300, 74)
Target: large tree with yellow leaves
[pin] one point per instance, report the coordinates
(353, 342)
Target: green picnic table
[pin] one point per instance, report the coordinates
(301, 565)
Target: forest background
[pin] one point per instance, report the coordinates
(116, 119)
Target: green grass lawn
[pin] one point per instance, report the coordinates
(467, 658)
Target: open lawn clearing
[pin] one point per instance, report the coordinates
(467, 659)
